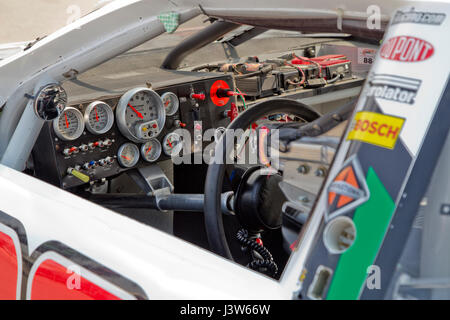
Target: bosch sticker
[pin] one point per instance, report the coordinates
(393, 88)
(375, 128)
(406, 49)
(348, 189)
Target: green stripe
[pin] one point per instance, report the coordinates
(371, 221)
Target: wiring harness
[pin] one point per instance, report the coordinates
(265, 265)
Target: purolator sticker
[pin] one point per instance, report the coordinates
(376, 128)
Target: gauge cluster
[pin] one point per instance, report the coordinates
(104, 137)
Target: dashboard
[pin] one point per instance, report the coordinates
(99, 136)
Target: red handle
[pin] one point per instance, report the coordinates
(198, 96)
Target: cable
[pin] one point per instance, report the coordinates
(242, 97)
(264, 70)
(311, 61)
(339, 76)
(301, 71)
(205, 66)
(258, 264)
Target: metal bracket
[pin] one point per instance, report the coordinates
(152, 180)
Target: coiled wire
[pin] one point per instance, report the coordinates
(258, 264)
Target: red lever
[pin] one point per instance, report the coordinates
(225, 92)
(198, 96)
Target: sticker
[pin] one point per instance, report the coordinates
(393, 88)
(406, 49)
(366, 55)
(376, 128)
(348, 189)
(170, 20)
(419, 17)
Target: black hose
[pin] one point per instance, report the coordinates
(328, 121)
(293, 130)
(197, 41)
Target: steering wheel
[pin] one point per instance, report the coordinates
(216, 170)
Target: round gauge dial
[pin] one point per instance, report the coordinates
(151, 151)
(98, 117)
(128, 155)
(69, 125)
(172, 144)
(171, 103)
(140, 114)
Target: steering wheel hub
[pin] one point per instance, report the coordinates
(258, 200)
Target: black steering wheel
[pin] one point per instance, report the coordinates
(216, 170)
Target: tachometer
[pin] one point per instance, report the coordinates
(172, 144)
(171, 103)
(99, 117)
(69, 125)
(140, 114)
(128, 155)
(151, 151)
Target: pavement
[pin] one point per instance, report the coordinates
(26, 20)
(22, 21)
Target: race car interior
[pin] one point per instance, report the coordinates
(128, 122)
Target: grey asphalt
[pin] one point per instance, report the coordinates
(26, 20)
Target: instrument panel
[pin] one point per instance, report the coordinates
(97, 139)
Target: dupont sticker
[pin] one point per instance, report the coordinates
(348, 189)
(376, 128)
(406, 49)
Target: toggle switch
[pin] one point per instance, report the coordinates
(77, 174)
(198, 96)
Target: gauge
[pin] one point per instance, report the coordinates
(171, 103)
(128, 155)
(98, 117)
(151, 151)
(172, 144)
(69, 125)
(140, 114)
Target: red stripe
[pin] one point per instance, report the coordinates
(52, 282)
(8, 268)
